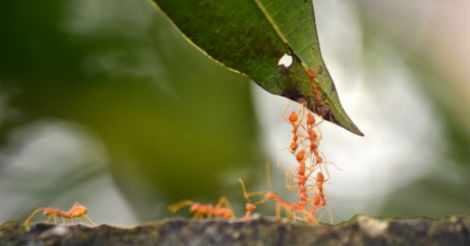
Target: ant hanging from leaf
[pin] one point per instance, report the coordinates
(312, 76)
(295, 120)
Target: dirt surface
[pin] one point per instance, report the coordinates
(361, 230)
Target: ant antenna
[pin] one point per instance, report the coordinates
(36, 211)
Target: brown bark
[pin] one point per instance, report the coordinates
(360, 230)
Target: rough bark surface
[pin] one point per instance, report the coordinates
(360, 230)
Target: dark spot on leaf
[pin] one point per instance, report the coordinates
(324, 111)
(292, 93)
(320, 69)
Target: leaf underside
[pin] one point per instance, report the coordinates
(250, 36)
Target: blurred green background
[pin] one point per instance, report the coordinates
(105, 103)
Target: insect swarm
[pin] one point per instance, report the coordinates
(307, 178)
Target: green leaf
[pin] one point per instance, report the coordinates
(250, 36)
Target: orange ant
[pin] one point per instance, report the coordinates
(320, 108)
(313, 137)
(250, 207)
(273, 196)
(312, 76)
(200, 210)
(295, 120)
(319, 200)
(320, 178)
(290, 208)
(76, 211)
(301, 178)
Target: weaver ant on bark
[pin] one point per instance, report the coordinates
(222, 209)
(249, 206)
(76, 211)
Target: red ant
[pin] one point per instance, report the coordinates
(320, 181)
(320, 108)
(250, 207)
(301, 178)
(312, 76)
(273, 196)
(295, 120)
(290, 208)
(313, 137)
(200, 210)
(76, 211)
(319, 200)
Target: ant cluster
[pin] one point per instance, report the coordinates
(309, 175)
(307, 178)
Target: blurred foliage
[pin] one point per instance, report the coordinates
(171, 119)
(445, 191)
(433, 80)
(175, 124)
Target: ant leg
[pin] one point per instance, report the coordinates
(268, 177)
(250, 207)
(247, 195)
(197, 215)
(288, 180)
(278, 211)
(223, 201)
(56, 221)
(48, 220)
(329, 162)
(89, 220)
(179, 205)
(330, 215)
(30, 217)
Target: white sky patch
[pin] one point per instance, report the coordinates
(285, 61)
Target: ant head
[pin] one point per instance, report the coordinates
(294, 146)
(311, 74)
(293, 117)
(270, 195)
(300, 155)
(310, 119)
(250, 207)
(316, 200)
(195, 207)
(320, 177)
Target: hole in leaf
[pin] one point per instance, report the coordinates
(285, 62)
